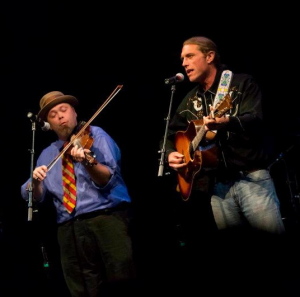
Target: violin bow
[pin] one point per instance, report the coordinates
(66, 147)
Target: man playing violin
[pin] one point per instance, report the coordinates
(94, 239)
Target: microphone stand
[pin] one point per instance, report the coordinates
(30, 188)
(163, 149)
(34, 122)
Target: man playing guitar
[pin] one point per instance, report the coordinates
(229, 106)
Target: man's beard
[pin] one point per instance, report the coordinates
(66, 132)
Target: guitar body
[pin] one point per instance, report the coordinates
(195, 159)
(188, 142)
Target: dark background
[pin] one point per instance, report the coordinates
(86, 50)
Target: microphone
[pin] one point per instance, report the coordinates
(45, 126)
(175, 79)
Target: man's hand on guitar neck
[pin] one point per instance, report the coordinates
(176, 160)
(215, 123)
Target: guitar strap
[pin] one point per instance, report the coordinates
(223, 87)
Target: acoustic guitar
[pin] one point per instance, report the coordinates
(198, 147)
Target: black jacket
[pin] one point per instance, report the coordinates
(241, 142)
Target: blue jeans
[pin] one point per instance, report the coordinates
(250, 198)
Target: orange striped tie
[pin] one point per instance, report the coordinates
(69, 183)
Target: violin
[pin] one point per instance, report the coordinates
(83, 138)
(85, 141)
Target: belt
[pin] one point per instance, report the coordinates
(93, 214)
(246, 172)
(229, 176)
(105, 211)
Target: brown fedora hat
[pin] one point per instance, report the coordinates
(53, 98)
